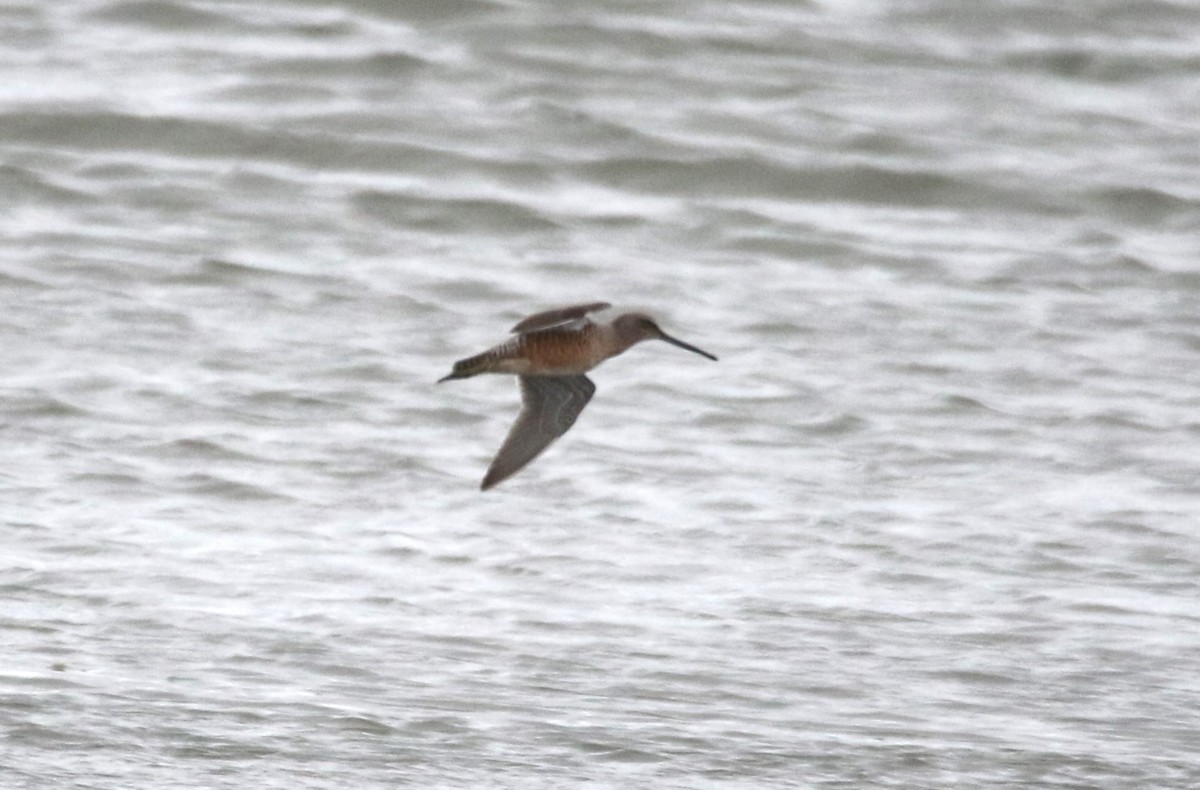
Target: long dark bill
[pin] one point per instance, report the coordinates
(677, 342)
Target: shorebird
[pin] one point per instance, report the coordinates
(550, 355)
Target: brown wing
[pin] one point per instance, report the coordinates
(550, 405)
(562, 315)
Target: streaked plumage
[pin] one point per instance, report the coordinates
(550, 354)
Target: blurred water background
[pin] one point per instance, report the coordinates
(930, 522)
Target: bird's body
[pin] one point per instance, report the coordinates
(550, 354)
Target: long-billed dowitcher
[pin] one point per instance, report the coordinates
(550, 354)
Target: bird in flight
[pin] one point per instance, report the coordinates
(550, 354)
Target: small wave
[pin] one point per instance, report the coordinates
(163, 15)
(41, 404)
(450, 214)
(389, 65)
(21, 184)
(1143, 204)
(220, 272)
(197, 449)
(219, 487)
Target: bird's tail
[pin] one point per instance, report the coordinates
(471, 366)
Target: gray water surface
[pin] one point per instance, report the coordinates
(929, 523)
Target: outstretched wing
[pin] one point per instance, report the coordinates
(550, 405)
(562, 315)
